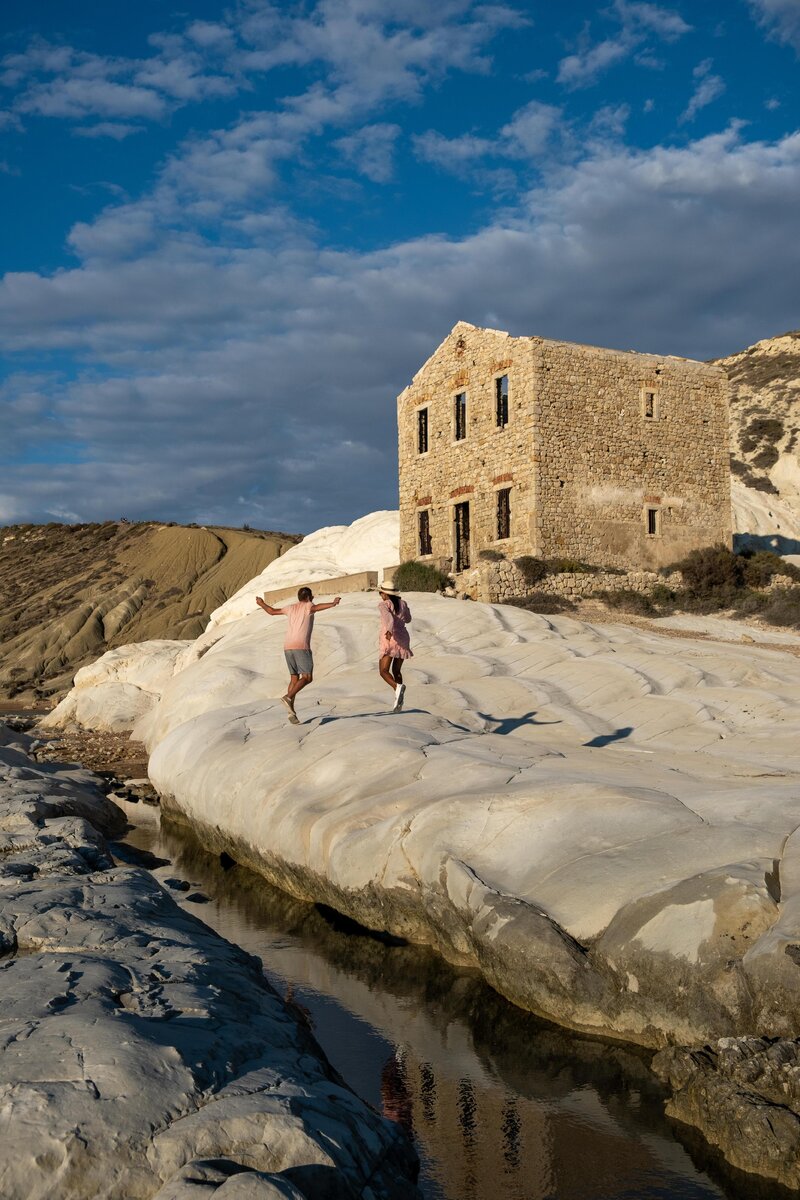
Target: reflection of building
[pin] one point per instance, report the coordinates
(530, 446)
(480, 1141)
(471, 1135)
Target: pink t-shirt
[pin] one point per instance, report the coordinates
(301, 622)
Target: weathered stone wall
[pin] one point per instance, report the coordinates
(494, 582)
(582, 459)
(602, 463)
(469, 360)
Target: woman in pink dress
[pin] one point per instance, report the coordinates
(393, 644)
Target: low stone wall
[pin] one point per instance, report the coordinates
(361, 581)
(494, 582)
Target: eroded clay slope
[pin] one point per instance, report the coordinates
(68, 592)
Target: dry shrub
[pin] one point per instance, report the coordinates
(542, 602)
(532, 569)
(783, 607)
(626, 600)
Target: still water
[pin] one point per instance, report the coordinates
(500, 1105)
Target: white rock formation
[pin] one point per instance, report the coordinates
(139, 1049)
(369, 544)
(600, 818)
(120, 687)
(764, 522)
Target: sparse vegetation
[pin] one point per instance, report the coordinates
(542, 602)
(414, 576)
(716, 580)
(532, 569)
(490, 555)
(627, 600)
(569, 566)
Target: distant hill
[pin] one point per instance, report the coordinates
(70, 592)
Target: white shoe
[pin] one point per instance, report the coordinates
(399, 696)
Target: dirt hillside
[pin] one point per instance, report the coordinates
(70, 592)
(765, 416)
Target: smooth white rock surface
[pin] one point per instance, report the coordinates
(369, 544)
(117, 689)
(136, 1044)
(595, 815)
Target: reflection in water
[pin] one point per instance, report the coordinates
(500, 1105)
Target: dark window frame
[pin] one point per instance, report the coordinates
(503, 514)
(460, 417)
(652, 520)
(423, 430)
(424, 540)
(501, 401)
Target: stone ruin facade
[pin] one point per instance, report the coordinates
(527, 446)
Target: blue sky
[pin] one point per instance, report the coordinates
(232, 232)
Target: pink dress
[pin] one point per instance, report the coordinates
(394, 639)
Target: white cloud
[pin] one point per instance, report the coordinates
(530, 130)
(207, 368)
(371, 150)
(708, 88)
(781, 18)
(452, 153)
(113, 129)
(637, 22)
(78, 97)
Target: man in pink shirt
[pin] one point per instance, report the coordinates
(297, 643)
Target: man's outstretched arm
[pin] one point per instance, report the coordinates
(272, 612)
(321, 607)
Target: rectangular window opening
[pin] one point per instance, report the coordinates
(650, 405)
(424, 531)
(461, 521)
(652, 522)
(503, 513)
(422, 431)
(460, 416)
(501, 401)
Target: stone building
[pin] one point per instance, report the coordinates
(528, 446)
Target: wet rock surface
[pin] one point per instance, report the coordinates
(135, 1041)
(743, 1094)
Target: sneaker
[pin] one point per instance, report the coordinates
(289, 705)
(399, 696)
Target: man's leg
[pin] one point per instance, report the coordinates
(292, 688)
(297, 685)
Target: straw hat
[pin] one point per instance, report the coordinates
(388, 588)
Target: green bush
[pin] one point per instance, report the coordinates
(533, 570)
(542, 602)
(415, 576)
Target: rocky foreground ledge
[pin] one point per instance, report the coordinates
(603, 821)
(141, 1055)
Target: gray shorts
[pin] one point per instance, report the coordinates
(299, 662)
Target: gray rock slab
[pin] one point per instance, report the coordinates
(135, 1041)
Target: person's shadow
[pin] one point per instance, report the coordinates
(605, 739)
(504, 725)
